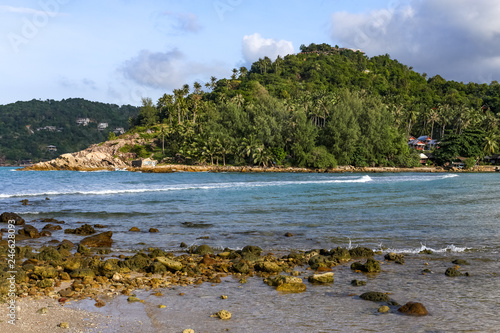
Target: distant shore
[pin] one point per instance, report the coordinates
(168, 168)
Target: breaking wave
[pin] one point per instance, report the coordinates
(185, 187)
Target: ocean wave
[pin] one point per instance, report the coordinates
(185, 187)
(415, 178)
(448, 248)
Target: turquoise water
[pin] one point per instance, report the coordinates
(455, 215)
(402, 211)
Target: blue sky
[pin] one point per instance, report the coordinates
(117, 51)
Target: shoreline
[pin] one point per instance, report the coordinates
(170, 168)
(176, 300)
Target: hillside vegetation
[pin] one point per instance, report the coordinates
(319, 108)
(27, 128)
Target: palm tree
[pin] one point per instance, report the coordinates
(238, 100)
(213, 82)
(412, 118)
(164, 105)
(185, 89)
(490, 121)
(261, 155)
(491, 143)
(243, 71)
(235, 72)
(196, 98)
(277, 62)
(197, 88)
(433, 117)
(444, 116)
(180, 104)
(162, 132)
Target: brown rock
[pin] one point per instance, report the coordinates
(52, 220)
(99, 240)
(99, 303)
(153, 230)
(6, 217)
(85, 230)
(413, 309)
(96, 157)
(29, 231)
(51, 227)
(207, 261)
(135, 229)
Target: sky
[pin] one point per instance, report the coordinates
(118, 51)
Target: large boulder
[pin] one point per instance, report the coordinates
(138, 262)
(203, 249)
(413, 309)
(255, 250)
(29, 231)
(398, 258)
(321, 261)
(85, 230)
(453, 272)
(371, 266)
(99, 240)
(341, 254)
(44, 272)
(284, 283)
(361, 252)
(268, 267)
(51, 227)
(6, 217)
(375, 296)
(81, 273)
(49, 253)
(241, 266)
(171, 265)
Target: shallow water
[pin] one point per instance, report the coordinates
(463, 304)
(455, 215)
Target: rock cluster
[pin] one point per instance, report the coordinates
(106, 155)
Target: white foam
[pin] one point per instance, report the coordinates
(448, 248)
(208, 186)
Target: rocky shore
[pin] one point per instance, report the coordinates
(65, 272)
(109, 156)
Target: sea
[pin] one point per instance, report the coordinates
(454, 215)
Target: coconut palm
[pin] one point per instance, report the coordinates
(433, 118)
(491, 143)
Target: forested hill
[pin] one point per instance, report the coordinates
(27, 129)
(321, 107)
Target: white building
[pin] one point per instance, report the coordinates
(83, 121)
(102, 126)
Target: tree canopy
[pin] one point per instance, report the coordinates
(27, 128)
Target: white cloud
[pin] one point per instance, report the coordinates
(255, 47)
(458, 39)
(167, 70)
(155, 69)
